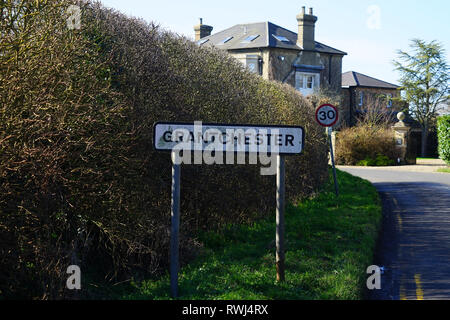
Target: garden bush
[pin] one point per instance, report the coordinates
(366, 145)
(443, 131)
(79, 180)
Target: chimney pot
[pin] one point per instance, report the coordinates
(201, 20)
(303, 10)
(311, 11)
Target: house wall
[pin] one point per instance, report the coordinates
(278, 65)
(346, 115)
(279, 69)
(371, 93)
(351, 100)
(242, 56)
(331, 76)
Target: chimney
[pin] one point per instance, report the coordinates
(306, 25)
(202, 30)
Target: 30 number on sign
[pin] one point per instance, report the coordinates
(327, 115)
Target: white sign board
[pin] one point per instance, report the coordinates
(198, 136)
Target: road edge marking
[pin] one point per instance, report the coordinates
(419, 290)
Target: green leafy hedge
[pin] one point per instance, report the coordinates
(443, 128)
(79, 180)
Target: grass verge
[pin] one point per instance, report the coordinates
(447, 170)
(330, 242)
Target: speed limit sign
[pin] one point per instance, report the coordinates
(327, 115)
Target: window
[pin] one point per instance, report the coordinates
(307, 82)
(281, 38)
(252, 62)
(361, 99)
(250, 38)
(225, 40)
(202, 41)
(389, 97)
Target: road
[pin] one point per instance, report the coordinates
(414, 244)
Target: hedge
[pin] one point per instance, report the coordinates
(366, 145)
(443, 128)
(79, 180)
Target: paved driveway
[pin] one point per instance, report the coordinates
(414, 245)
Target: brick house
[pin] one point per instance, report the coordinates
(280, 54)
(360, 91)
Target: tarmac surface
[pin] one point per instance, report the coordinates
(414, 243)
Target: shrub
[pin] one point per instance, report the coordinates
(79, 180)
(366, 145)
(443, 128)
(374, 112)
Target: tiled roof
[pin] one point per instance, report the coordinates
(269, 35)
(355, 79)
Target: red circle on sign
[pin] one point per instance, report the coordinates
(322, 120)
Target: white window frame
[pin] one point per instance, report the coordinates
(252, 60)
(361, 99)
(304, 79)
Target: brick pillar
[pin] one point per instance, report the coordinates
(402, 140)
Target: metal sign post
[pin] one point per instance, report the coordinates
(279, 237)
(327, 116)
(249, 139)
(175, 229)
(336, 187)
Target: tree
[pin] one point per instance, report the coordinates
(374, 112)
(424, 81)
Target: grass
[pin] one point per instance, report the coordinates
(447, 170)
(330, 243)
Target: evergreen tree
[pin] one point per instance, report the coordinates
(424, 81)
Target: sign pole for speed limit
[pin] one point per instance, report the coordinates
(336, 188)
(327, 116)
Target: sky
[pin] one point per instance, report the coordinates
(371, 32)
